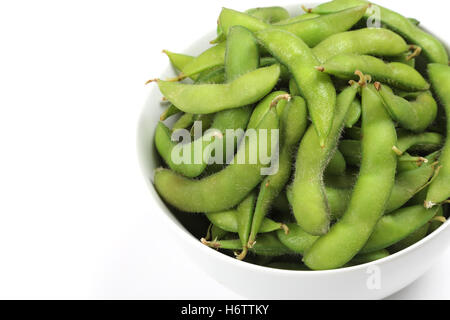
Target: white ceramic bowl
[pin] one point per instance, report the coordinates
(374, 280)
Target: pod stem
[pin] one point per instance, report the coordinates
(212, 244)
(307, 10)
(363, 79)
(208, 232)
(277, 99)
(251, 244)
(397, 151)
(241, 256)
(417, 51)
(151, 80)
(285, 228)
(180, 77)
(320, 68)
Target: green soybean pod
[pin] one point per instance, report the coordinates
(432, 48)
(269, 14)
(414, 237)
(353, 114)
(415, 115)
(167, 148)
(346, 238)
(308, 200)
(337, 164)
(244, 218)
(311, 31)
(211, 98)
(404, 58)
(227, 220)
(185, 121)
(218, 233)
(396, 74)
(425, 141)
(397, 226)
(267, 245)
(316, 88)
(293, 122)
(225, 189)
(439, 189)
(371, 41)
(241, 57)
(298, 18)
(170, 111)
(261, 109)
(297, 240)
(208, 59)
(285, 75)
(368, 257)
(178, 60)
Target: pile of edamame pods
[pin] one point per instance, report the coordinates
(360, 96)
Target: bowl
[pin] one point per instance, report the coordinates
(374, 280)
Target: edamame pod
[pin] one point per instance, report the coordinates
(371, 41)
(414, 115)
(298, 18)
(178, 60)
(241, 57)
(225, 189)
(414, 237)
(439, 189)
(267, 245)
(311, 31)
(269, 14)
(210, 58)
(368, 257)
(346, 238)
(210, 98)
(337, 164)
(397, 226)
(425, 141)
(193, 152)
(396, 74)
(244, 218)
(353, 114)
(228, 221)
(308, 200)
(316, 87)
(432, 48)
(293, 124)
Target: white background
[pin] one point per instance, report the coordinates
(76, 220)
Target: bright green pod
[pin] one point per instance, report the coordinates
(316, 87)
(185, 121)
(269, 14)
(242, 54)
(264, 106)
(415, 115)
(211, 98)
(293, 88)
(226, 188)
(285, 75)
(370, 41)
(368, 257)
(311, 31)
(267, 245)
(218, 233)
(228, 221)
(397, 74)
(166, 148)
(210, 58)
(432, 48)
(414, 237)
(241, 57)
(351, 150)
(293, 122)
(244, 218)
(439, 189)
(423, 142)
(300, 17)
(308, 200)
(397, 226)
(178, 60)
(404, 58)
(353, 114)
(337, 164)
(346, 238)
(296, 240)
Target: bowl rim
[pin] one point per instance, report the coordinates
(171, 221)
